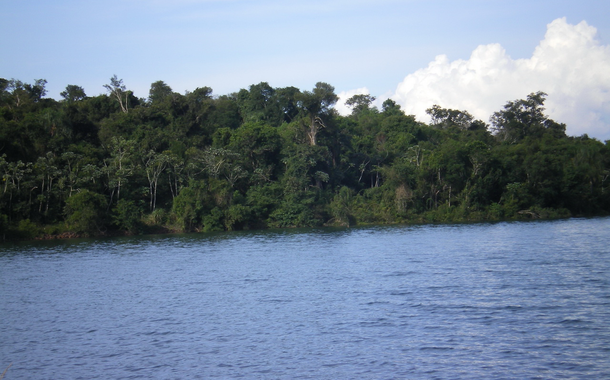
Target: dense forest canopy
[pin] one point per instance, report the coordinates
(278, 157)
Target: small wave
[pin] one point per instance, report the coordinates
(274, 300)
(380, 322)
(572, 321)
(401, 293)
(332, 365)
(401, 274)
(377, 302)
(254, 280)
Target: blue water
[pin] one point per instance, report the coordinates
(522, 300)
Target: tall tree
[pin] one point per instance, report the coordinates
(446, 118)
(360, 103)
(22, 93)
(525, 117)
(318, 106)
(154, 164)
(258, 104)
(117, 90)
(118, 167)
(73, 93)
(159, 90)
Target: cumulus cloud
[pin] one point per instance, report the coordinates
(341, 107)
(570, 64)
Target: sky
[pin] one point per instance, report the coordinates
(472, 55)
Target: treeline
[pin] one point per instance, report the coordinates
(277, 157)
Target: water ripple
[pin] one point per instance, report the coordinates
(482, 301)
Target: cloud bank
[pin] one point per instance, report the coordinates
(570, 64)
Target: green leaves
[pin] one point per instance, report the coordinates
(278, 157)
(525, 118)
(360, 103)
(73, 93)
(86, 213)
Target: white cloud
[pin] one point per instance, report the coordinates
(570, 65)
(341, 107)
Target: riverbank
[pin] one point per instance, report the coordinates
(30, 231)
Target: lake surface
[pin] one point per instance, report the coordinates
(519, 300)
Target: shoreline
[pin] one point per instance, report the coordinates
(160, 230)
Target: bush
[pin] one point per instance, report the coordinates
(86, 213)
(213, 221)
(188, 206)
(341, 207)
(237, 217)
(126, 216)
(292, 214)
(26, 229)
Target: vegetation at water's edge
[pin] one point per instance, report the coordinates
(277, 157)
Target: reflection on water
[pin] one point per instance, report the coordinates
(483, 301)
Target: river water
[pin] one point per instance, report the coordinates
(518, 300)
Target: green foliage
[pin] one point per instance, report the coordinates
(27, 229)
(127, 216)
(525, 118)
(237, 217)
(188, 206)
(452, 119)
(159, 91)
(86, 213)
(262, 200)
(292, 213)
(278, 157)
(341, 207)
(73, 93)
(214, 221)
(360, 104)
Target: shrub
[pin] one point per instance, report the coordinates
(26, 229)
(86, 213)
(126, 216)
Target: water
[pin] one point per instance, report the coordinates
(485, 301)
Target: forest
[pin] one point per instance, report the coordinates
(269, 157)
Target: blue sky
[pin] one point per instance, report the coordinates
(228, 45)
